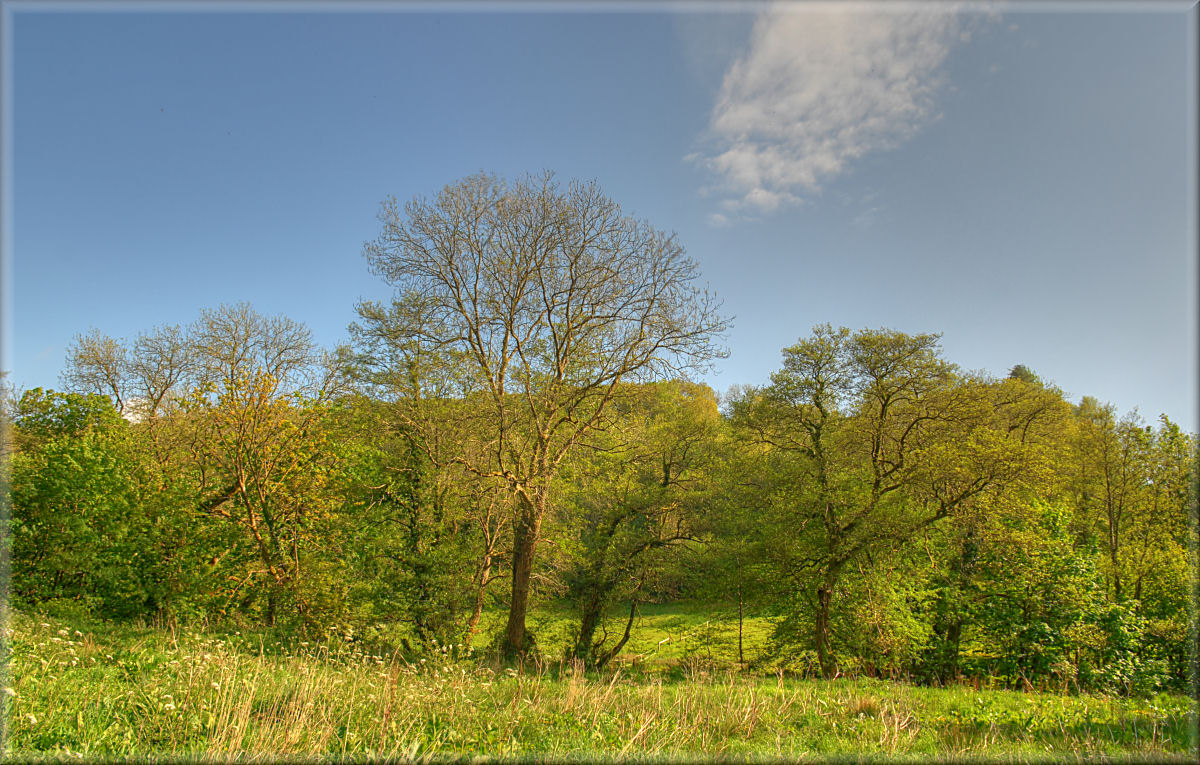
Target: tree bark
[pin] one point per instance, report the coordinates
(953, 642)
(821, 625)
(480, 597)
(526, 531)
(611, 653)
(589, 621)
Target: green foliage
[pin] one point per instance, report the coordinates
(41, 415)
(73, 525)
(407, 532)
(1033, 596)
(1126, 667)
(874, 512)
(634, 503)
(1024, 374)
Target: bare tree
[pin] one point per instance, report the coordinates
(160, 366)
(97, 363)
(553, 297)
(139, 377)
(233, 341)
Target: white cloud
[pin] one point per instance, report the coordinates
(819, 87)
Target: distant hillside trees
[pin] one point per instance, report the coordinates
(892, 514)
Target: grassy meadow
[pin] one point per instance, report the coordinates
(79, 689)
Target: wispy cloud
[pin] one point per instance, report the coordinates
(819, 87)
(867, 218)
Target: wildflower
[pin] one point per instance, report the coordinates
(216, 685)
(31, 718)
(64, 632)
(168, 706)
(77, 632)
(9, 692)
(45, 625)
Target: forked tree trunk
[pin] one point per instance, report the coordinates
(611, 653)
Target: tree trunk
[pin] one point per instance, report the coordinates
(588, 622)
(480, 597)
(525, 538)
(953, 641)
(741, 656)
(1116, 565)
(608, 655)
(821, 626)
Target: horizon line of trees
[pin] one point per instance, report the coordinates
(517, 425)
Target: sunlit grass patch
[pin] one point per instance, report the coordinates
(664, 635)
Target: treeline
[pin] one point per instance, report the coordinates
(515, 426)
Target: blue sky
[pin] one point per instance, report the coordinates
(1021, 182)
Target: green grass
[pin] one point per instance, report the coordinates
(104, 690)
(664, 635)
